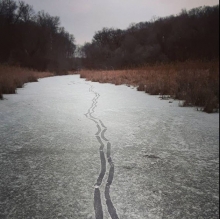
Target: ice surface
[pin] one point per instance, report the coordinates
(166, 157)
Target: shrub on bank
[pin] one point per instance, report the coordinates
(195, 82)
(13, 77)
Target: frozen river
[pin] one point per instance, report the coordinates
(70, 148)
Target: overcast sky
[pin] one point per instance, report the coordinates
(83, 17)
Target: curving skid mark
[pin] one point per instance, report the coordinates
(100, 136)
(92, 111)
(108, 150)
(102, 124)
(94, 105)
(94, 120)
(103, 134)
(98, 204)
(103, 168)
(111, 174)
(111, 209)
(91, 116)
(99, 129)
(100, 142)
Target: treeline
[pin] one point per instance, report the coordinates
(190, 35)
(34, 40)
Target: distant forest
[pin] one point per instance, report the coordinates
(34, 40)
(190, 35)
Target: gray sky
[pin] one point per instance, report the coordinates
(83, 17)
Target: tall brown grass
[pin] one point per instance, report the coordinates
(195, 82)
(12, 77)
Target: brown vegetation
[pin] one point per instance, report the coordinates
(12, 77)
(196, 82)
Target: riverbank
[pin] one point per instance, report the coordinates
(13, 77)
(195, 82)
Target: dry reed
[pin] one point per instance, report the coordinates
(195, 82)
(12, 77)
